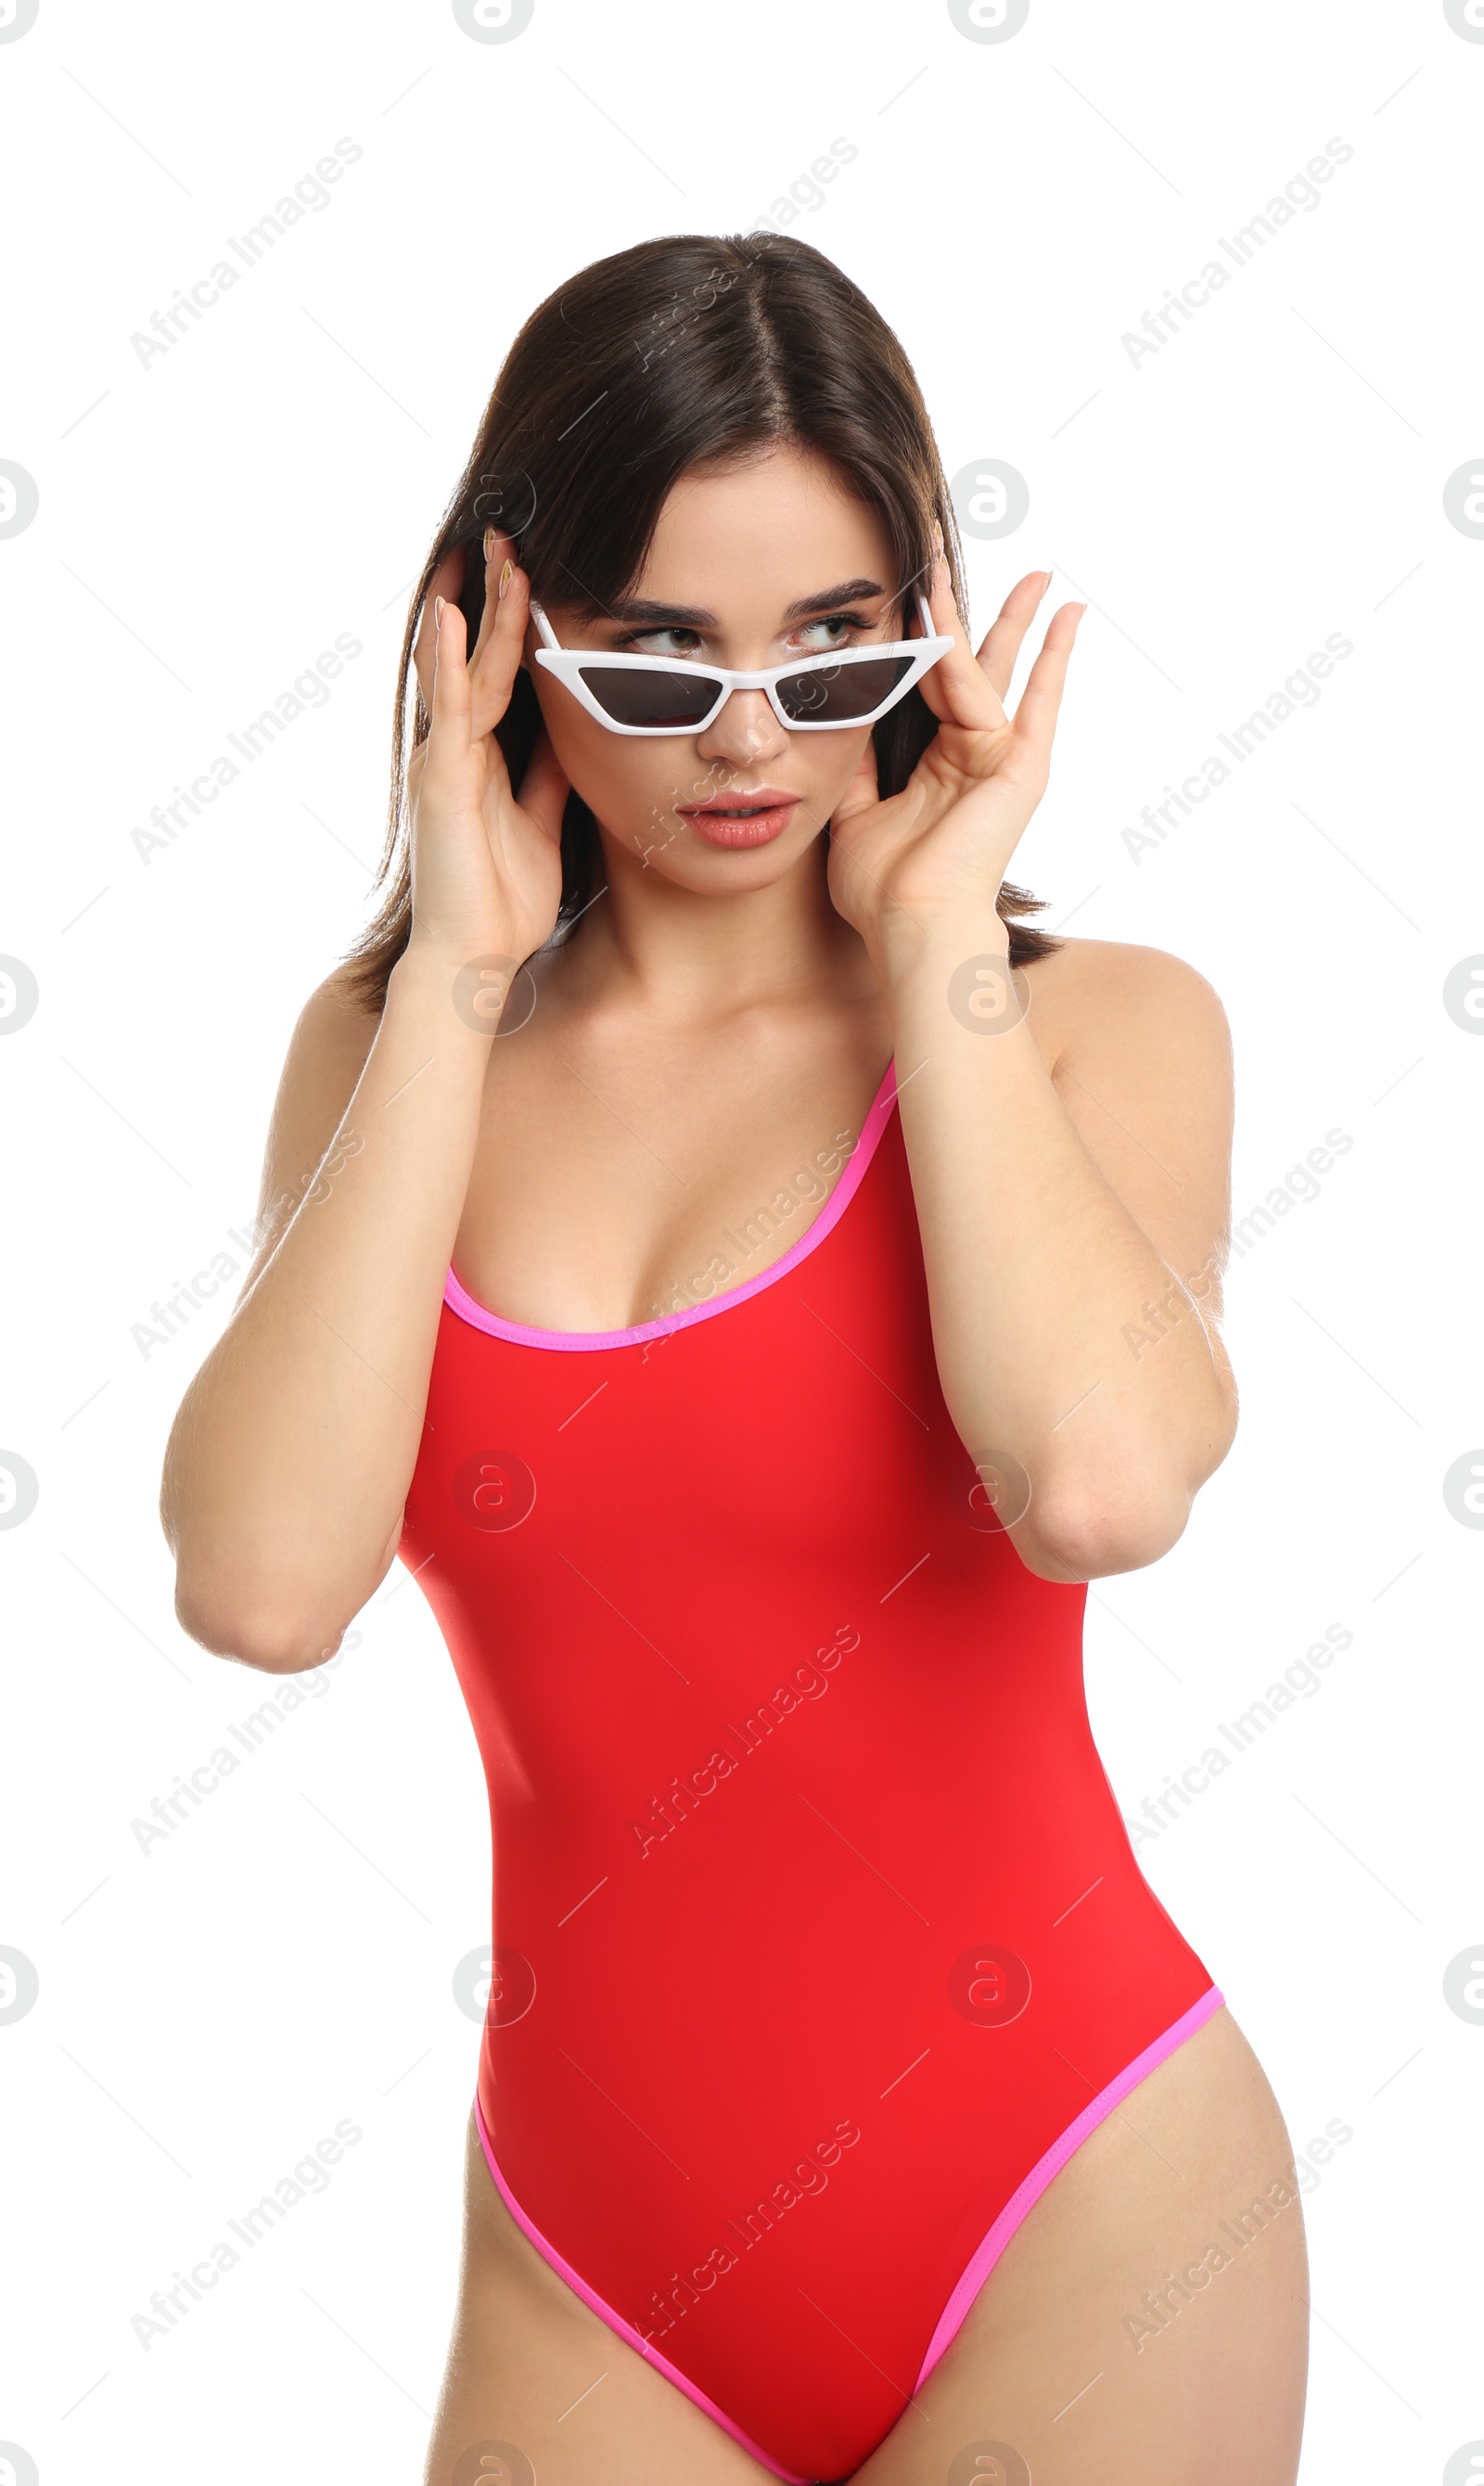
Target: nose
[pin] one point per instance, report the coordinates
(745, 733)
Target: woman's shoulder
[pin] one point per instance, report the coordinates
(332, 1037)
(335, 1015)
(1102, 995)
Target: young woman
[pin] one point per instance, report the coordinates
(755, 1281)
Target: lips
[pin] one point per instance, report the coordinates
(742, 817)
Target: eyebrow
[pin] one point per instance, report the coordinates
(641, 611)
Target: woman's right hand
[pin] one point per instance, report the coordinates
(486, 867)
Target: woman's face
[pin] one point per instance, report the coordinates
(751, 566)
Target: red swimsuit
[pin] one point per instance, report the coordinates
(818, 1941)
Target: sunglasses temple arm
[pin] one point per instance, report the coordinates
(546, 633)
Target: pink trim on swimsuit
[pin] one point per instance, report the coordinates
(843, 1493)
(582, 1342)
(1028, 2194)
(954, 2313)
(616, 2321)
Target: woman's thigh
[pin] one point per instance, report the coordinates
(1148, 2324)
(537, 2387)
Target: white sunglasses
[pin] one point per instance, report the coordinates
(813, 695)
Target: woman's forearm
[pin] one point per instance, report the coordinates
(1039, 1279)
(291, 1456)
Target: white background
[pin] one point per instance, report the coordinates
(1274, 474)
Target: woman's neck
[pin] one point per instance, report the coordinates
(685, 954)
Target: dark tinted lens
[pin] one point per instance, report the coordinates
(836, 694)
(673, 702)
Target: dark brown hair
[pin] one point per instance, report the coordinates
(690, 350)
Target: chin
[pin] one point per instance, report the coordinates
(689, 862)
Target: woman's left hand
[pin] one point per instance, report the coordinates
(943, 845)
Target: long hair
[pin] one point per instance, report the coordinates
(693, 349)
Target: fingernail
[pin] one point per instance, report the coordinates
(938, 538)
(438, 602)
(505, 580)
(489, 541)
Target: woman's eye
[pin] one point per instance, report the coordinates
(817, 638)
(809, 639)
(666, 643)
